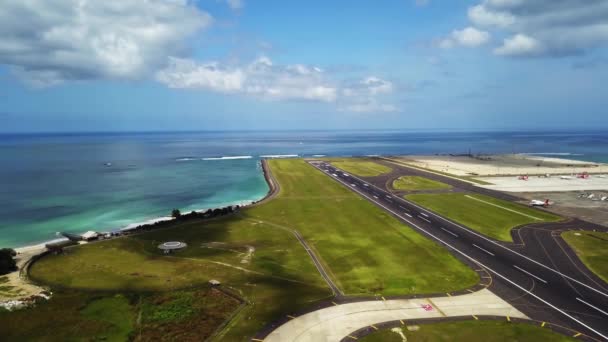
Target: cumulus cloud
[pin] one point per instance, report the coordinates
(544, 27)
(519, 45)
(365, 96)
(260, 78)
(467, 37)
(265, 80)
(49, 41)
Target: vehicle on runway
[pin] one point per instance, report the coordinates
(565, 177)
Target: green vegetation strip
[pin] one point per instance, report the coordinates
(412, 183)
(486, 331)
(592, 249)
(490, 216)
(360, 167)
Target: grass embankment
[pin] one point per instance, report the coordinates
(486, 331)
(592, 249)
(186, 315)
(413, 183)
(490, 216)
(360, 167)
(255, 254)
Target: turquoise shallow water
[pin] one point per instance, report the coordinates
(79, 182)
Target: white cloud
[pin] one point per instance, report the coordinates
(467, 37)
(49, 41)
(481, 16)
(235, 4)
(519, 45)
(364, 96)
(265, 80)
(544, 27)
(261, 78)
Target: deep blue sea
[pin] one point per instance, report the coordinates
(105, 181)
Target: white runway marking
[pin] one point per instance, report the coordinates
(483, 249)
(449, 232)
(408, 215)
(423, 214)
(499, 206)
(422, 218)
(530, 274)
(592, 306)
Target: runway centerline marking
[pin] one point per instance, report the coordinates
(408, 215)
(530, 274)
(592, 306)
(424, 214)
(483, 249)
(449, 232)
(422, 218)
(505, 208)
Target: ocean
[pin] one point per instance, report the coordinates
(104, 181)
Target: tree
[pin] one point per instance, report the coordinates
(176, 213)
(7, 263)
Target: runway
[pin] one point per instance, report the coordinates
(538, 275)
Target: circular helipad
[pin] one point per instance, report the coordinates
(172, 245)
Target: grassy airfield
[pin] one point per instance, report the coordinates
(592, 249)
(361, 168)
(490, 216)
(254, 254)
(413, 183)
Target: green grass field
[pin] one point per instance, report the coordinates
(277, 278)
(256, 255)
(411, 183)
(490, 216)
(592, 249)
(484, 331)
(184, 315)
(367, 250)
(360, 167)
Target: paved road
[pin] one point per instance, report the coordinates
(333, 323)
(551, 293)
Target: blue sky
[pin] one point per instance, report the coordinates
(229, 64)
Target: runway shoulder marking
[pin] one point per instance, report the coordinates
(483, 249)
(592, 306)
(530, 274)
(505, 208)
(449, 232)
